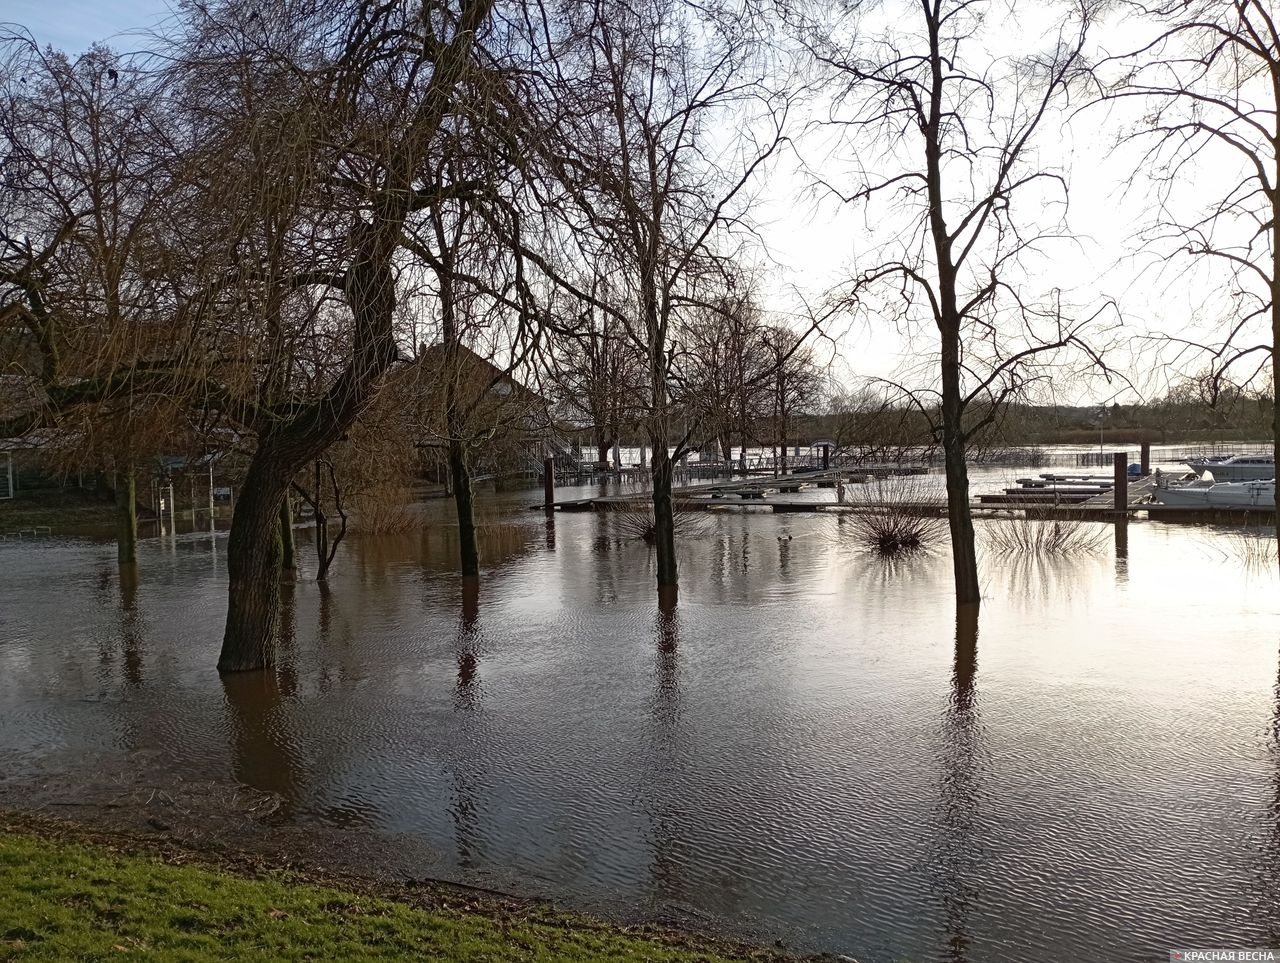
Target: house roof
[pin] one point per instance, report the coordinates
(433, 356)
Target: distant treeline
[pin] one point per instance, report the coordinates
(1236, 418)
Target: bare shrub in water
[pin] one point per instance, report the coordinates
(636, 521)
(1251, 546)
(1038, 534)
(897, 516)
(634, 518)
(385, 509)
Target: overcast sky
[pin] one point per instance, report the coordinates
(815, 241)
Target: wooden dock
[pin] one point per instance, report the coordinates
(717, 494)
(1080, 497)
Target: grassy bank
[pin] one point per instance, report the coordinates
(56, 509)
(62, 899)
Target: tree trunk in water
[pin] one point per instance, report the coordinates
(726, 448)
(126, 517)
(966, 659)
(602, 451)
(1275, 344)
(253, 566)
(468, 554)
(288, 548)
(664, 523)
(964, 558)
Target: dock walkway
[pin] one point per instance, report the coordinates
(762, 494)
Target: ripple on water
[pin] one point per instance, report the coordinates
(799, 751)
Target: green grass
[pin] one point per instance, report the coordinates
(69, 901)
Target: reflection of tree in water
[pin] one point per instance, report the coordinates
(959, 855)
(435, 548)
(116, 590)
(1034, 578)
(468, 693)
(468, 690)
(263, 753)
(131, 625)
(659, 787)
(286, 646)
(1270, 883)
(728, 563)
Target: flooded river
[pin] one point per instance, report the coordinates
(805, 750)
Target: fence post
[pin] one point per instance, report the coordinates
(549, 484)
(1146, 459)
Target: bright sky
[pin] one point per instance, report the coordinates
(73, 25)
(814, 240)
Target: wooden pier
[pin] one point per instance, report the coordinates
(1111, 498)
(718, 494)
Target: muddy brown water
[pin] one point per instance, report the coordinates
(801, 752)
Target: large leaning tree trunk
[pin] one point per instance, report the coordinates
(384, 50)
(253, 548)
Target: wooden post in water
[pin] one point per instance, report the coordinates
(549, 484)
(1146, 459)
(826, 457)
(1121, 494)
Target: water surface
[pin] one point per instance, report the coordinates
(809, 748)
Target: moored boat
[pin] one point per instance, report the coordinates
(1248, 494)
(1235, 468)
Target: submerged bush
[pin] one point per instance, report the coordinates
(636, 520)
(897, 516)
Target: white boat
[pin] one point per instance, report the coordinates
(1249, 494)
(1235, 468)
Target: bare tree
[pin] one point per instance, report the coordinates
(307, 139)
(942, 135)
(667, 120)
(597, 372)
(873, 423)
(1209, 85)
(795, 384)
(725, 369)
(83, 299)
(468, 394)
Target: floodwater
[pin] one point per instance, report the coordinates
(807, 749)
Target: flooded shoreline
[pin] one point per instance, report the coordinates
(805, 750)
